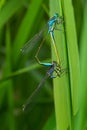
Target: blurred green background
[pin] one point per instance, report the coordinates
(20, 74)
(19, 21)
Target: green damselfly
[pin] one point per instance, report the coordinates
(52, 72)
(50, 26)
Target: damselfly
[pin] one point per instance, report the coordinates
(52, 72)
(50, 26)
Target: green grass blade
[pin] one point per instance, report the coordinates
(51, 121)
(8, 87)
(21, 71)
(73, 55)
(60, 84)
(82, 115)
(2, 2)
(8, 67)
(66, 88)
(9, 10)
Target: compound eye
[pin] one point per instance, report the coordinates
(56, 15)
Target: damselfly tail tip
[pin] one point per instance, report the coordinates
(21, 50)
(23, 107)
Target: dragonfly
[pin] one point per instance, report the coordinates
(50, 26)
(53, 68)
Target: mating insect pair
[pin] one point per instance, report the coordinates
(55, 66)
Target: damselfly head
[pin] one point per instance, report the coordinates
(54, 63)
(60, 20)
(56, 15)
